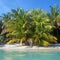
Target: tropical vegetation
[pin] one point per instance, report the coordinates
(38, 26)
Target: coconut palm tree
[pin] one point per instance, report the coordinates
(16, 25)
(54, 19)
(40, 25)
(32, 25)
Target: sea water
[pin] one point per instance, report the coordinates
(20, 55)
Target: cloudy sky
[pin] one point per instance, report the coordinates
(7, 5)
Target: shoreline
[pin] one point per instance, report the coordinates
(28, 48)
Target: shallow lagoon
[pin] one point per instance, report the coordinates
(27, 55)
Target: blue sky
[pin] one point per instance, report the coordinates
(7, 5)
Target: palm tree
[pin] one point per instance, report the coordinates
(31, 25)
(54, 19)
(15, 25)
(41, 27)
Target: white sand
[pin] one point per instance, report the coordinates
(28, 48)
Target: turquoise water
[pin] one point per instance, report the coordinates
(18, 55)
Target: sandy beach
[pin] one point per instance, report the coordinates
(28, 48)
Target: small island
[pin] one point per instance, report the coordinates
(29, 29)
(34, 27)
